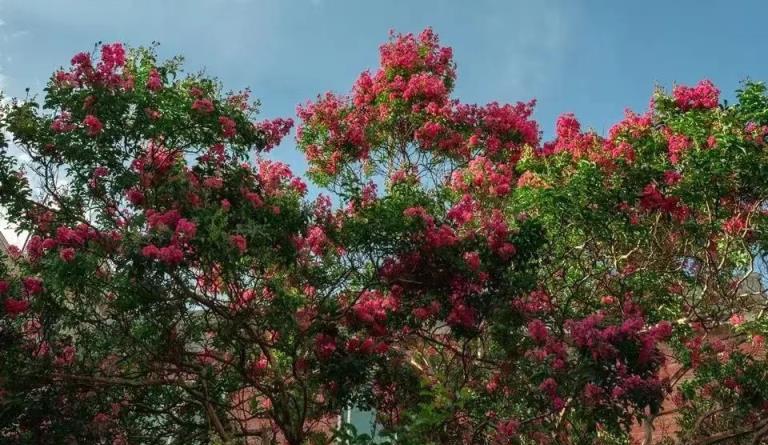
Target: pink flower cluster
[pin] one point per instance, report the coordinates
(183, 232)
(204, 106)
(677, 144)
(372, 309)
(62, 123)
(704, 95)
(107, 73)
(93, 125)
(274, 131)
(497, 232)
(68, 240)
(483, 176)
(653, 200)
(273, 176)
(239, 242)
(154, 81)
(630, 347)
(154, 163)
(14, 307)
(412, 84)
(228, 127)
(735, 225)
(366, 346)
(325, 346)
(570, 139)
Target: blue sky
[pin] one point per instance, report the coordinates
(593, 58)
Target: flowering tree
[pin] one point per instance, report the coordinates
(475, 284)
(171, 290)
(534, 291)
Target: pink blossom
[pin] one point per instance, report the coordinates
(62, 123)
(15, 307)
(567, 127)
(150, 251)
(259, 366)
(67, 254)
(462, 315)
(426, 87)
(368, 194)
(506, 430)
(672, 177)
(274, 131)
(185, 229)
(549, 387)
(93, 125)
(538, 331)
(113, 55)
(325, 346)
(32, 285)
(463, 211)
(203, 105)
(152, 114)
(214, 182)
(101, 418)
(228, 127)
(736, 319)
(162, 220)
(702, 96)
(304, 317)
(239, 242)
(154, 82)
(81, 59)
(135, 196)
(67, 356)
(35, 247)
(372, 308)
(254, 198)
(593, 393)
(472, 259)
(317, 240)
(608, 300)
(398, 176)
(299, 186)
(735, 225)
(677, 144)
(171, 255)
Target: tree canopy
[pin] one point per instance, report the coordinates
(461, 277)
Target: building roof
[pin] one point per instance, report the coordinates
(3, 243)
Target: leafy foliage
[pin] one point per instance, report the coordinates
(474, 284)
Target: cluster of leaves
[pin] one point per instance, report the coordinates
(474, 285)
